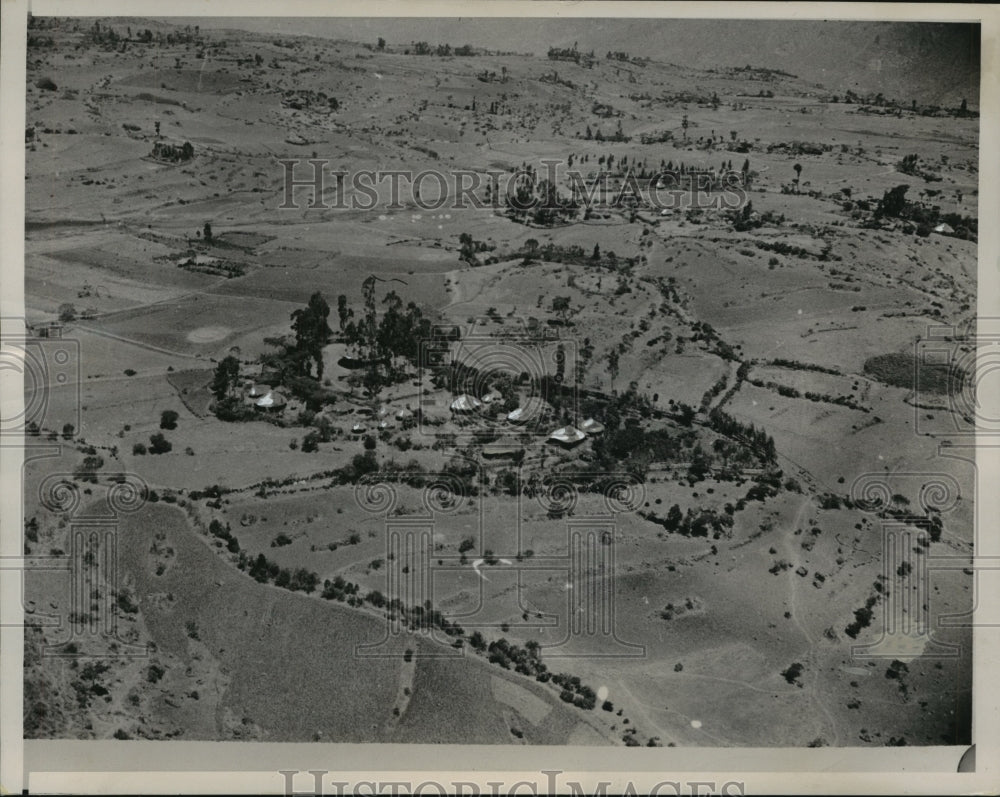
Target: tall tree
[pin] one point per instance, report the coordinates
(368, 327)
(392, 328)
(344, 312)
(312, 331)
(613, 366)
(227, 377)
(560, 306)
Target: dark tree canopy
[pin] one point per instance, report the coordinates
(227, 377)
(312, 332)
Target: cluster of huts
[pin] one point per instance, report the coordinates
(384, 420)
(532, 410)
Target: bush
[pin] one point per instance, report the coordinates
(792, 673)
(168, 419)
(139, 449)
(158, 444)
(233, 409)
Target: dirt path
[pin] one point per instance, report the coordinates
(148, 346)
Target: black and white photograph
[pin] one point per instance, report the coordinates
(573, 382)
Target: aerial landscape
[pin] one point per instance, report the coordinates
(520, 382)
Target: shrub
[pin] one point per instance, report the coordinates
(792, 673)
(168, 419)
(158, 444)
(139, 449)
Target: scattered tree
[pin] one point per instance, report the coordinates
(168, 419)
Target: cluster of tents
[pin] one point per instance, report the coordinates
(385, 420)
(533, 409)
(266, 398)
(570, 435)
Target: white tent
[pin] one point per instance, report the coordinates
(465, 403)
(944, 229)
(491, 396)
(532, 409)
(403, 414)
(567, 436)
(272, 401)
(256, 391)
(388, 423)
(590, 426)
(359, 428)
